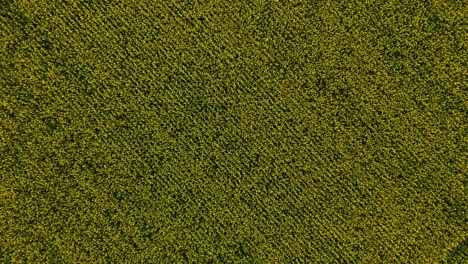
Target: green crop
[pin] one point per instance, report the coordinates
(182, 131)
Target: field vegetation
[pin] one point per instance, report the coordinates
(233, 131)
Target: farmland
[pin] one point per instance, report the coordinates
(233, 131)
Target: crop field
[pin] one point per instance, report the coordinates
(185, 131)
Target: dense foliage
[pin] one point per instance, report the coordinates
(233, 131)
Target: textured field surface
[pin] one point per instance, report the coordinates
(233, 131)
